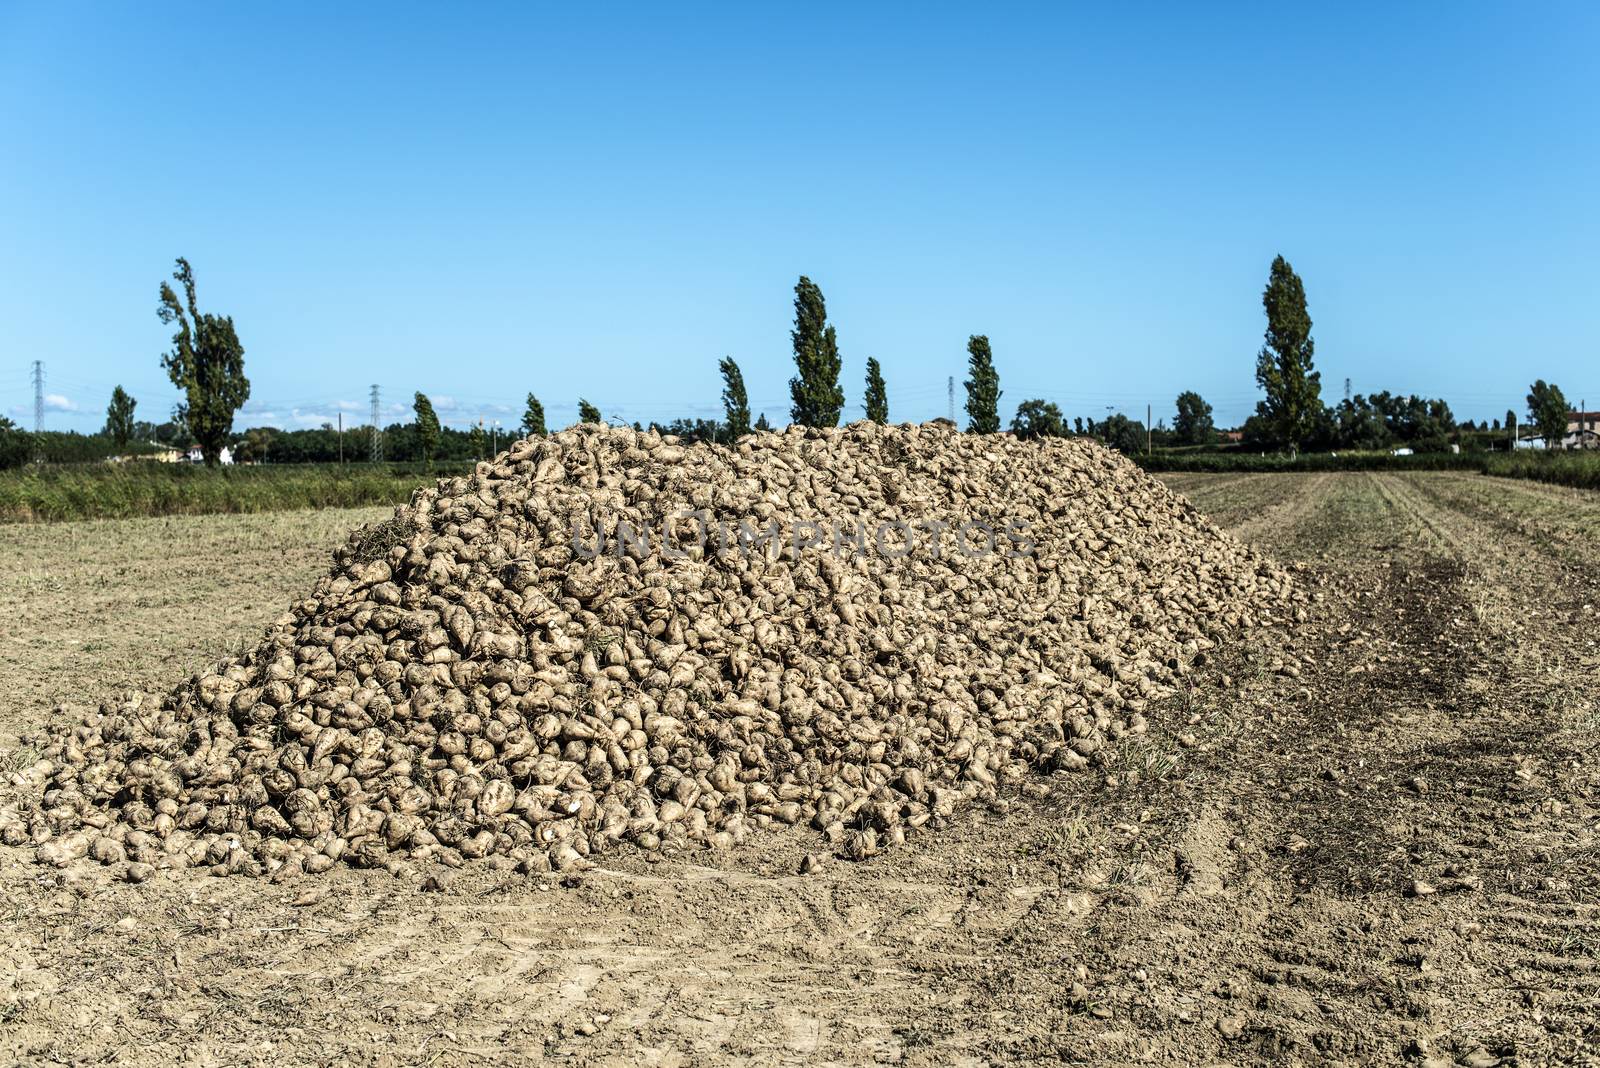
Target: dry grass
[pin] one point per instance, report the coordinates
(92, 609)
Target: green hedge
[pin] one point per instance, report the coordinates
(145, 488)
(1309, 461)
(1579, 469)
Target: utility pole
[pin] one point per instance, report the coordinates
(377, 432)
(341, 438)
(950, 389)
(38, 396)
(1347, 389)
(38, 411)
(1147, 430)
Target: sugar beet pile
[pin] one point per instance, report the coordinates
(471, 680)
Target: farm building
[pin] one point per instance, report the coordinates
(1583, 431)
(165, 454)
(196, 456)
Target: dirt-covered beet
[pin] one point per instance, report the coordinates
(607, 637)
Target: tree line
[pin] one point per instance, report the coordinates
(1292, 414)
(206, 363)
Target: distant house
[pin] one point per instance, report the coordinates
(1231, 435)
(1583, 431)
(196, 456)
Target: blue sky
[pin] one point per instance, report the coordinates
(481, 201)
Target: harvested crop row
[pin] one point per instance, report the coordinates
(606, 637)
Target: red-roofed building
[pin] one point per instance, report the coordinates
(1583, 431)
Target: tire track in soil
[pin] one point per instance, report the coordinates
(1255, 906)
(1247, 505)
(1238, 895)
(1528, 782)
(1290, 509)
(1187, 934)
(1212, 487)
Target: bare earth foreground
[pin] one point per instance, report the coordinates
(1382, 846)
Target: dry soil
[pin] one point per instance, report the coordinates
(1379, 846)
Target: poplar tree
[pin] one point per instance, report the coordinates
(1283, 367)
(815, 392)
(877, 405)
(983, 387)
(428, 431)
(533, 419)
(735, 403)
(206, 362)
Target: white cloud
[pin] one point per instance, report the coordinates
(309, 420)
(55, 402)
